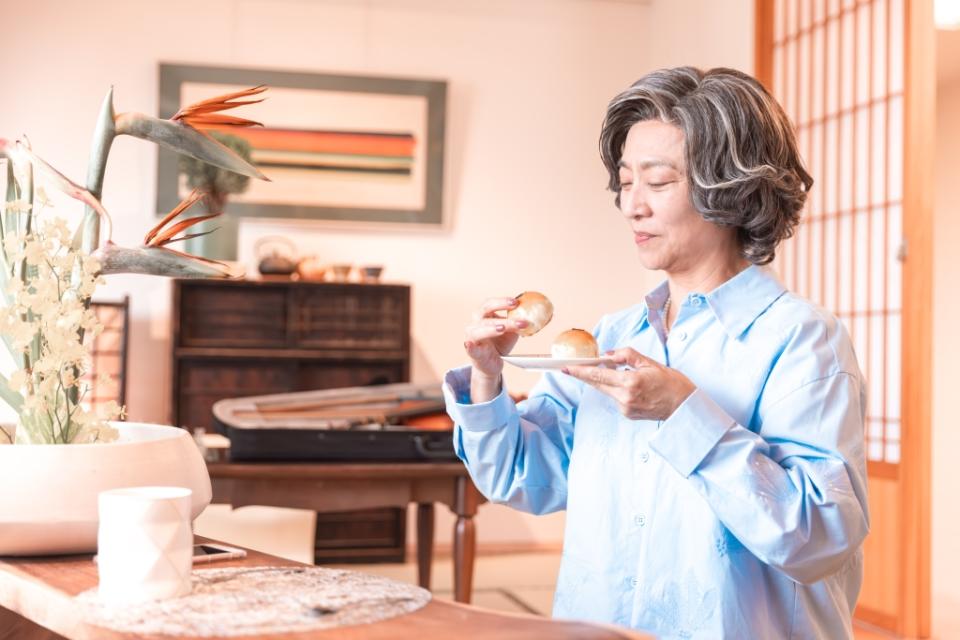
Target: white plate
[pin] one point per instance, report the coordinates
(545, 362)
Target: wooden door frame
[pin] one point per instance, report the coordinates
(920, 110)
(914, 617)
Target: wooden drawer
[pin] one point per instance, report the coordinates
(358, 317)
(372, 535)
(204, 382)
(349, 374)
(230, 316)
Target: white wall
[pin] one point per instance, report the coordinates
(528, 84)
(946, 357)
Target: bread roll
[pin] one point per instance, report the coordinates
(535, 308)
(574, 343)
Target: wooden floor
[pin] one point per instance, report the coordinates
(863, 633)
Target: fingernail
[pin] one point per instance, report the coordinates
(468, 345)
(500, 327)
(565, 370)
(609, 352)
(521, 322)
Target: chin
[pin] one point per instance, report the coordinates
(651, 262)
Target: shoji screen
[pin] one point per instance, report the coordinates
(838, 71)
(846, 71)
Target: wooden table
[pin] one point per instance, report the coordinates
(36, 596)
(332, 486)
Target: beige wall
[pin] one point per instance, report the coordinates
(528, 83)
(946, 355)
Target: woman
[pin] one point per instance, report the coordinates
(714, 481)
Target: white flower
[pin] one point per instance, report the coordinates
(18, 206)
(48, 292)
(35, 251)
(40, 195)
(17, 380)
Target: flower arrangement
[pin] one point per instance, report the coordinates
(49, 272)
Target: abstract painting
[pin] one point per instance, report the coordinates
(340, 148)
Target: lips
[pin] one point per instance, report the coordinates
(641, 238)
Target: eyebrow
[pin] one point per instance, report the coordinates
(647, 164)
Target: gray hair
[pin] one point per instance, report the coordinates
(743, 167)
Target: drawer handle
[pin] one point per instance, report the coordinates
(424, 450)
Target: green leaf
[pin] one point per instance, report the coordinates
(186, 140)
(8, 395)
(103, 135)
(158, 261)
(9, 220)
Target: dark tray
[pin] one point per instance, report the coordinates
(397, 422)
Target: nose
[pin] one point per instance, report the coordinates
(633, 204)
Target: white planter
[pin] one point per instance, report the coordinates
(48, 492)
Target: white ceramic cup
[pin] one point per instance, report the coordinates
(144, 544)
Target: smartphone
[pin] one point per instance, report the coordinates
(211, 552)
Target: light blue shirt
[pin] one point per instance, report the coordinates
(741, 515)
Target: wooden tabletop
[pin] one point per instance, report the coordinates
(331, 470)
(42, 590)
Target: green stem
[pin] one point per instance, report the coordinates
(103, 135)
(64, 429)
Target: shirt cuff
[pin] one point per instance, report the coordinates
(691, 432)
(482, 416)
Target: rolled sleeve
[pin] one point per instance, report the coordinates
(691, 432)
(479, 417)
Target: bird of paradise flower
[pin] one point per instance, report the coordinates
(184, 133)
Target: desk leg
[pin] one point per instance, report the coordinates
(424, 542)
(464, 539)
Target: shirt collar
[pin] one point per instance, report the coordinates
(654, 300)
(736, 303)
(741, 299)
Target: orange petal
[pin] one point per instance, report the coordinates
(164, 237)
(193, 113)
(185, 204)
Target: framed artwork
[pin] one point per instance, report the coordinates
(335, 147)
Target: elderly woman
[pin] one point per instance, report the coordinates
(714, 480)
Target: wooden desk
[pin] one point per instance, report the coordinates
(36, 596)
(348, 486)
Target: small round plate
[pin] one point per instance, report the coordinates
(546, 362)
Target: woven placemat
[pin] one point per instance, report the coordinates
(247, 601)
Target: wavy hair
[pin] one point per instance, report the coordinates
(743, 167)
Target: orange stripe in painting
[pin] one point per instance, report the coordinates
(328, 142)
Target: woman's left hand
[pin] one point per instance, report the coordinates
(646, 391)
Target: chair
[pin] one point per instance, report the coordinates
(109, 354)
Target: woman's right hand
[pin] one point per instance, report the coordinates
(491, 335)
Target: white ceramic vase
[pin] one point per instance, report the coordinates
(48, 492)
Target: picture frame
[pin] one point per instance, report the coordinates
(343, 148)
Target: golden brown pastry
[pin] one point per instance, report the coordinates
(535, 308)
(574, 343)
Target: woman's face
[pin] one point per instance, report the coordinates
(655, 198)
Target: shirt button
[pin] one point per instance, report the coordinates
(634, 582)
(696, 300)
(640, 520)
(681, 335)
(645, 456)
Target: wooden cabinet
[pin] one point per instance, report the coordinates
(240, 338)
(244, 338)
